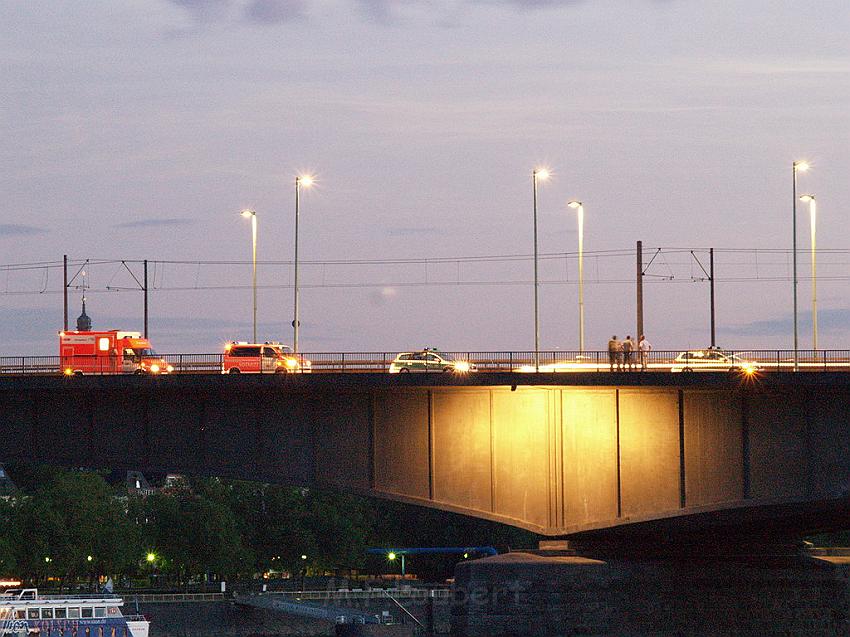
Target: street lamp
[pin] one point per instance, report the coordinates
(579, 207)
(801, 166)
(810, 199)
(253, 216)
(541, 174)
(392, 556)
(301, 181)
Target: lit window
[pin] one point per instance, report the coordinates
(32, 613)
(73, 613)
(103, 344)
(100, 611)
(61, 613)
(47, 613)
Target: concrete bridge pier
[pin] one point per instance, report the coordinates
(779, 591)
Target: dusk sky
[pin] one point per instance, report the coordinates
(138, 130)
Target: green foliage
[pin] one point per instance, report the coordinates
(218, 527)
(70, 518)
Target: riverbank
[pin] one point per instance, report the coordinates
(225, 619)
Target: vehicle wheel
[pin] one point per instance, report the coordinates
(78, 373)
(404, 370)
(233, 370)
(734, 370)
(447, 370)
(687, 369)
(138, 372)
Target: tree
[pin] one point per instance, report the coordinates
(74, 526)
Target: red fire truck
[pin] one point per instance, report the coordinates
(262, 358)
(109, 352)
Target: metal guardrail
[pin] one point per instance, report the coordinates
(301, 608)
(174, 597)
(515, 361)
(375, 593)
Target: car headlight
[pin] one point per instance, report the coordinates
(154, 368)
(291, 363)
(461, 366)
(169, 369)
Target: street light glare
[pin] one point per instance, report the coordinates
(807, 198)
(802, 166)
(248, 213)
(306, 180)
(542, 173)
(574, 204)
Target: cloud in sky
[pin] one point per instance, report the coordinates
(829, 321)
(18, 230)
(155, 223)
(274, 11)
(419, 231)
(271, 12)
(204, 10)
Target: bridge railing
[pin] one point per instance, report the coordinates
(550, 361)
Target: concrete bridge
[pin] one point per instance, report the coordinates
(569, 455)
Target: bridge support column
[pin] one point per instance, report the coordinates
(544, 594)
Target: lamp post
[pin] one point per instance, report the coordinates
(579, 207)
(391, 557)
(538, 174)
(801, 166)
(304, 181)
(810, 199)
(250, 214)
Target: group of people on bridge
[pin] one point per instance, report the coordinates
(623, 354)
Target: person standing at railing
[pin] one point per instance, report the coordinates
(644, 347)
(615, 353)
(629, 348)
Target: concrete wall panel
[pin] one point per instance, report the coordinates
(521, 454)
(401, 443)
(461, 442)
(713, 448)
(777, 443)
(649, 451)
(589, 423)
(824, 419)
(342, 442)
(17, 428)
(231, 432)
(65, 429)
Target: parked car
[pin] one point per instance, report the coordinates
(712, 360)
(429, 360)
(262, 358)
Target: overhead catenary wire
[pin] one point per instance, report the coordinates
(742, 258)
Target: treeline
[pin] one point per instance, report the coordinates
(75, 525)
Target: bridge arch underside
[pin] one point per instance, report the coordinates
(564, 461)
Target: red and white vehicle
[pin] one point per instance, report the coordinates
(262, 358)
(109, 352)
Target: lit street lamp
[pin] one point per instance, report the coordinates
(541, 174)
(304, 181)
(392, 556)
(579, 207)
(810, 199)
(250, 214)
(801, 166)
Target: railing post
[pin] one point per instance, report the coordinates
(343, 361)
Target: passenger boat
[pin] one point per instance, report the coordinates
(24, 612)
